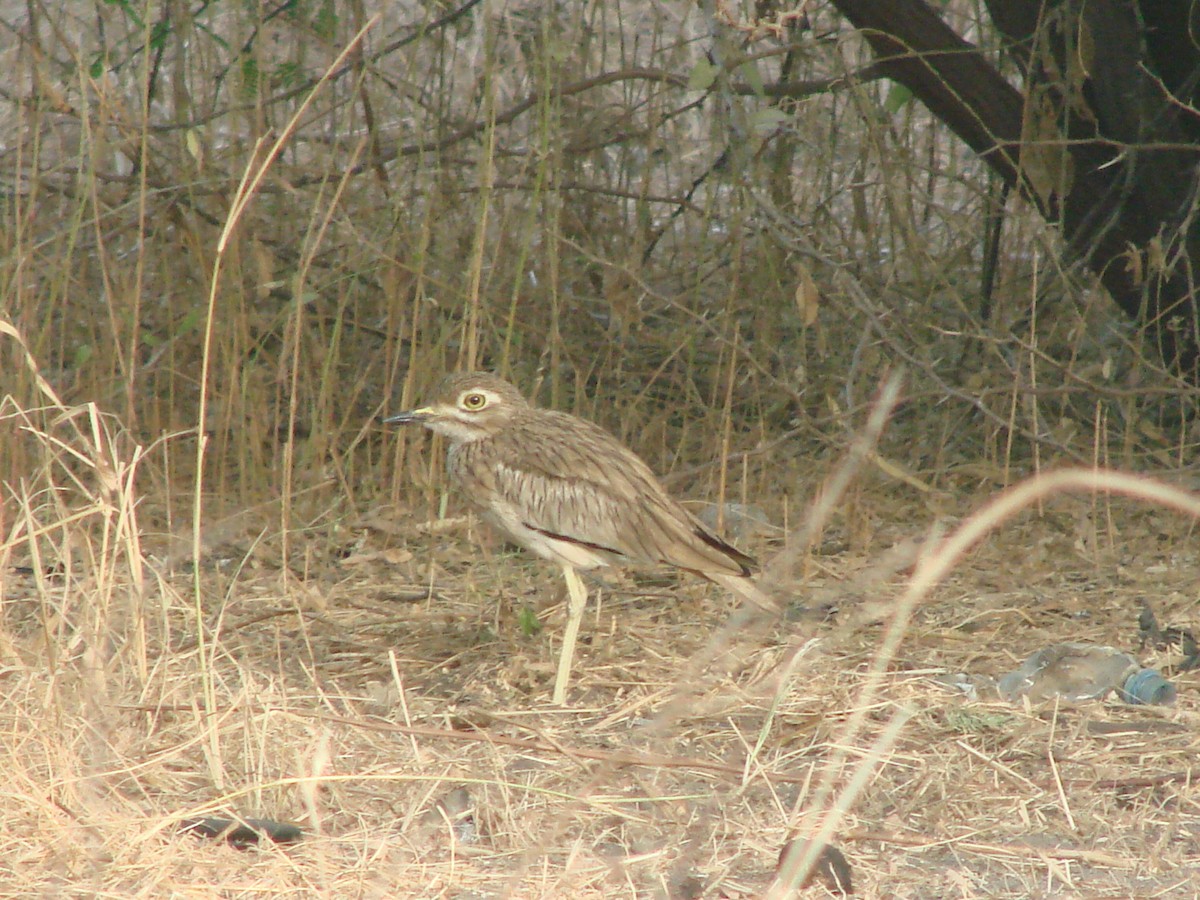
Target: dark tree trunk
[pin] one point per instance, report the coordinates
(1106, 136)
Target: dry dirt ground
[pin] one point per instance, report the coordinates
(388, 692)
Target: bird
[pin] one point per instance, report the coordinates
(570, 492)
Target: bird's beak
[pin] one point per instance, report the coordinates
(419, 415)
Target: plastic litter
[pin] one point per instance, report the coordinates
(1074, 671)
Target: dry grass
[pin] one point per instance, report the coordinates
(227, 592)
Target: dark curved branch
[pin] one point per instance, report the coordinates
(1112, 155)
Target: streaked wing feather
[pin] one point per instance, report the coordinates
(568, 508)
(582, 485)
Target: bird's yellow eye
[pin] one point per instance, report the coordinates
(474, 401)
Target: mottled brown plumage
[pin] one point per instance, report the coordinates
(570, 492)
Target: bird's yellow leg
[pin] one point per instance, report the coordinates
(576, 601)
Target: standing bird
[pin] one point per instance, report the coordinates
(569, 491)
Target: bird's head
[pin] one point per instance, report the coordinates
(467, 406)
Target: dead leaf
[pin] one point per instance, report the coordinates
(808, 297)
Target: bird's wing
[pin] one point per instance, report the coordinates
(585, 487)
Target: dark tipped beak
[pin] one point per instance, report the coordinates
(411, 416)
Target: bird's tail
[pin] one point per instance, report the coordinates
(748, 589)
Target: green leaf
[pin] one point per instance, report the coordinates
(749, 71)
(326, 22)
(191, 320)
(702, 76)
(130, 12)
(288, 74)
(898, 98)
(159, 34)
(528, 621)
(767, 119)
(250, 76)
